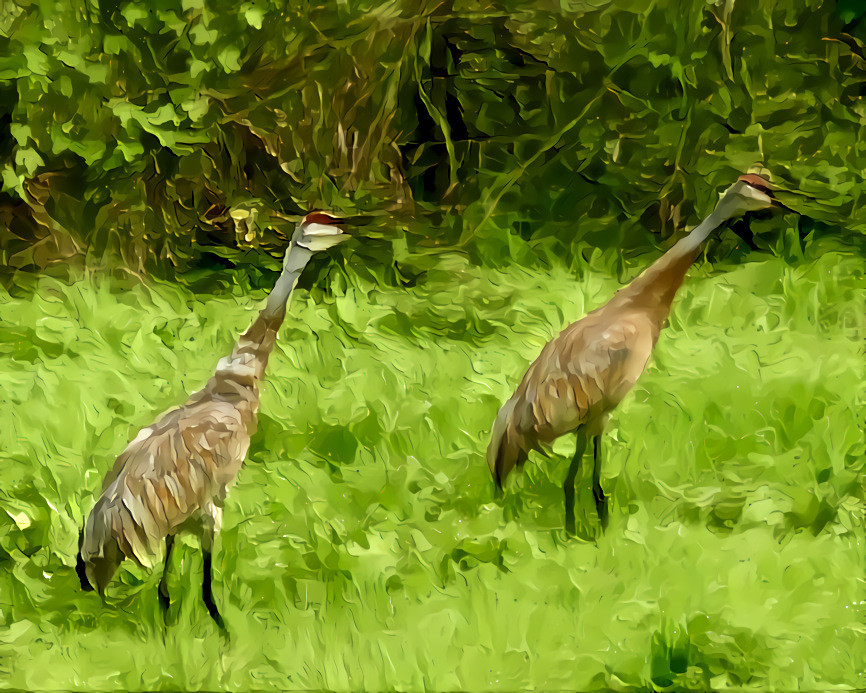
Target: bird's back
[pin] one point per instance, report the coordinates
(172, 471)
(576, 380)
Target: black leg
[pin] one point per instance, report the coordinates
(163, 582)
(600, 500)
(207, 593)
(568, 486)
(80, 568)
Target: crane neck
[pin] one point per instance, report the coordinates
(293, 264)
(654, 289)
(691, 244)
(249, 358)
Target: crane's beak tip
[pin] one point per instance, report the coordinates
(358, 220)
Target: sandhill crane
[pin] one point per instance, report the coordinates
(580, 376)
(174, 475)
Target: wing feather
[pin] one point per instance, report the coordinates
(576, 380)
(164, 477)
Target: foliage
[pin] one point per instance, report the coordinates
(145, 130)
(525, 160)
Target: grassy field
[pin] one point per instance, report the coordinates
(363, 547)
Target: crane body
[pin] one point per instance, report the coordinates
(581, 375)
(174, 475)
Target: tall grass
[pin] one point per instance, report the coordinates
(363, 547)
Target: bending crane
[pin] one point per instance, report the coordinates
(580, 376)
(174, 475)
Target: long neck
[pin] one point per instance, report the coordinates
(275, 308)
(654, 289)
(249, 358)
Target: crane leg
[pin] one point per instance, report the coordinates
(163, 582)
(568, 486)
(207, 592)
(598, 494)
(212, 519)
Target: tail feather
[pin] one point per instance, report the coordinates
(505, 451)
(95, 571)
(99, 553)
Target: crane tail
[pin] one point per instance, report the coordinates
(504, 453)
(95, 571)
(99, 551)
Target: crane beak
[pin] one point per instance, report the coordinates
(356, 220)
(323, 230)
(788, 196)
(350, 222)
(772, 191)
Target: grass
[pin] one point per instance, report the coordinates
(363, 547)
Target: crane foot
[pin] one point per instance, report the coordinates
(600, 506)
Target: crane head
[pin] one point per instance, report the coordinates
(749, 194)
(319, 231)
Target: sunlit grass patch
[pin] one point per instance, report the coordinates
(363, 546)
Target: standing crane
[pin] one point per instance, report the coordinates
(174, 475)
(580, 376)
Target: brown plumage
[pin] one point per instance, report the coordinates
(174, 475)
(580, 376)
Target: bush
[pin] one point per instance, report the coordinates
(143, 130)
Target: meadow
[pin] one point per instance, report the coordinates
(363, 545)
(520, 162)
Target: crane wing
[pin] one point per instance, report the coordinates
(582, 375)
(167, 474)
(576, 380)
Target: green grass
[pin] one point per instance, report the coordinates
(363, 547)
